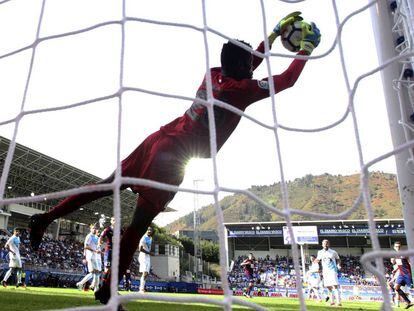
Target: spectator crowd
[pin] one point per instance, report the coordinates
(279, 272)
(65, 255)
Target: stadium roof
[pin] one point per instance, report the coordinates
(34, 172)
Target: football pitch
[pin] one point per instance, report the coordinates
(40, 298)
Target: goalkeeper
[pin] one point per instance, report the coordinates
(163, 155)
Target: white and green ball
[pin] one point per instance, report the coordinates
(293, 34)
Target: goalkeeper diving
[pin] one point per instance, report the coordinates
(162, 156)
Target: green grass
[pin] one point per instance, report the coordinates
(38, 298)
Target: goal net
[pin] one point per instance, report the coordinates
(87, 80)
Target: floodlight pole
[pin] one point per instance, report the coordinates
(58, 228)
(302, 254)
(196, 235)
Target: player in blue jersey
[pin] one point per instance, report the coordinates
(248, 267)
(404, 277)
(331, 264)
(144, 257)
(90, 252)
(15, 262)
(98, 262)
(314, 279)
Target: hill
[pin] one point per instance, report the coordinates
(324, 194)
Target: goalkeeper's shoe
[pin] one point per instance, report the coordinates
(121, 308)
(37, 228)
(103, 294)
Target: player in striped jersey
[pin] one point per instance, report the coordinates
(107, 238)
(248, 267)
(404, 277)
(391, 283)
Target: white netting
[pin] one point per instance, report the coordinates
(285, 211)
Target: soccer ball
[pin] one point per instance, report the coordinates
(293, 34)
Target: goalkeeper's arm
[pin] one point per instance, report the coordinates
(288, 78)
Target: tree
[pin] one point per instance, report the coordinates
(161, 236)
(211, 251)
(187, 244)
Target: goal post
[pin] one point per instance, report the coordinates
(392, 25)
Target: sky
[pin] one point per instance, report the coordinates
(173, 60)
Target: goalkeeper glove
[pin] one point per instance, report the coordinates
(287, 20)
(311, 37)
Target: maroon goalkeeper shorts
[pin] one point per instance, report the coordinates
(158, 158)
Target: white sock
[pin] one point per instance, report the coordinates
(142, 283)
(316, 292)
(98, 280)
(338, 295)
(19, 276)
(331, 295)
(95, 281)
(8, 273)
(86, 278)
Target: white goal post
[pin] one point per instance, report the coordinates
(393, 24)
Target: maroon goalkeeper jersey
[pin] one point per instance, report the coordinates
(162, 155)
(192, 128)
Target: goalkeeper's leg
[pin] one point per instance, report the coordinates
(144, 213)
(164, 163)
(39, 222)
(74, 202)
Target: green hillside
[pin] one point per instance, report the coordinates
(324, 194)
